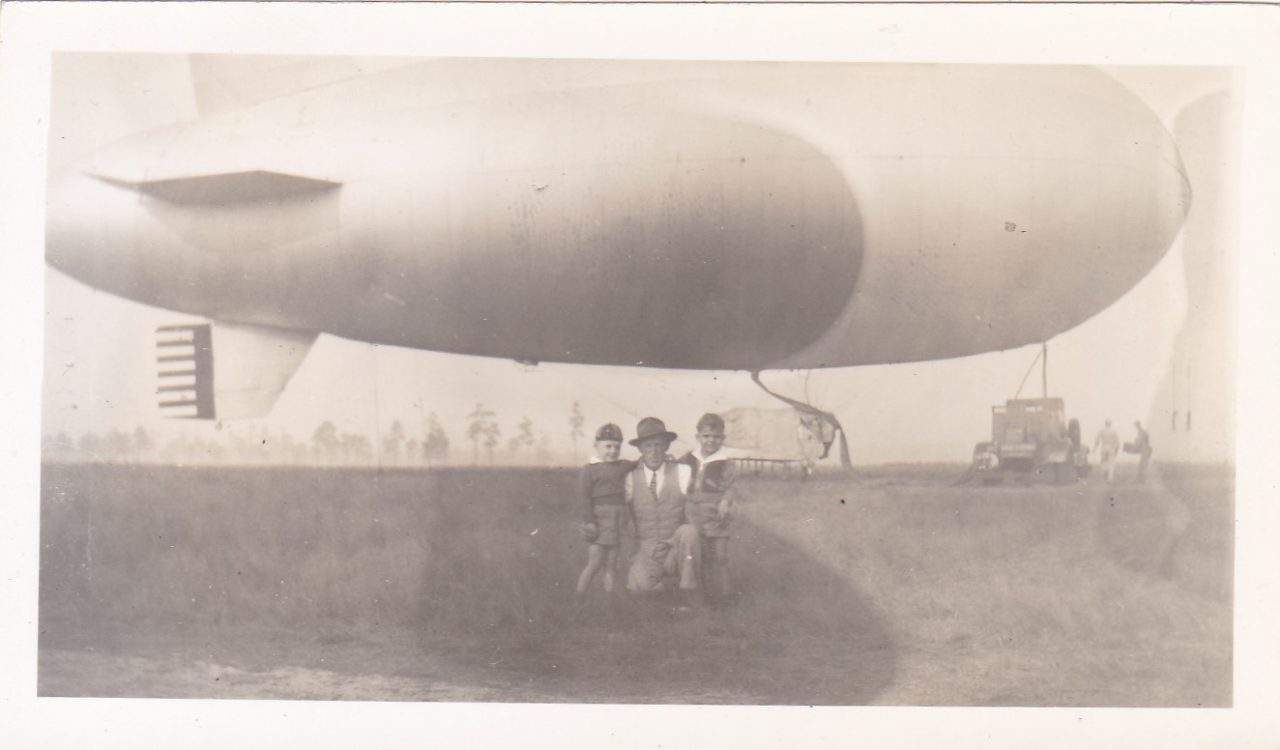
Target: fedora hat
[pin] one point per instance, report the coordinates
(650, 427)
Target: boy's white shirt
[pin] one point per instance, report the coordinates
(722, 454)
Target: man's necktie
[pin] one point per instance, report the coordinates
(653, 484)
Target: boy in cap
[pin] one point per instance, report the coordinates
(602, 499)
(711, 499)
(666, 543)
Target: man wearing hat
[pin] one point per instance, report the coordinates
(666, 543)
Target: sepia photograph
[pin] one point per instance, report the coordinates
(647, 380)
(637, 382)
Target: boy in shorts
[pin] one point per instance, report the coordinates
(602, 502)
(710, 505)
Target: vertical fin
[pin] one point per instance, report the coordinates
(253, 366)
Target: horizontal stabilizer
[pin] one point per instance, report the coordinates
(225, 370)
(229, 188)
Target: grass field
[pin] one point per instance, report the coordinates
(456, 584)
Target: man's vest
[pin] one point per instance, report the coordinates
(657, 518)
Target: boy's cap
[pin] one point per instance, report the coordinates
(609, 431)
(652, 427)
(711, 422)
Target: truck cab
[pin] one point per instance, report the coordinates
(1027, 435)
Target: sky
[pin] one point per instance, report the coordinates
(100, 370)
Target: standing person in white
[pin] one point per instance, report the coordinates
(1108, 446)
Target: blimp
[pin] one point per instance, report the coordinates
(742, 216)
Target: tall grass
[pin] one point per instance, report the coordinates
(848, 591)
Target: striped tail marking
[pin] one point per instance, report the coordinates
(185, 361)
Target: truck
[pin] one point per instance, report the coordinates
(1029, 438)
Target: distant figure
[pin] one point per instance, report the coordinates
(602, 496)
(1108, 446)
(711, 503)
(1142, 447)
(666, 543)
(1076, 458)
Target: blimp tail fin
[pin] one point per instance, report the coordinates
(98, 98)
(225, 370)
(227, 82)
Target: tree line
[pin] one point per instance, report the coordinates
(398, 445)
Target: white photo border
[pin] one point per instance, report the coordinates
(1239, 36)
